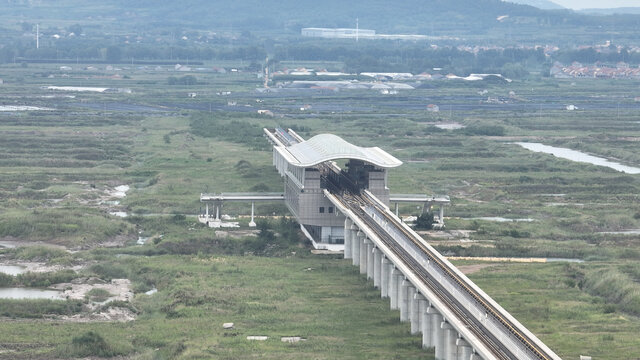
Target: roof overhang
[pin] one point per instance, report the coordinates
(329, 147)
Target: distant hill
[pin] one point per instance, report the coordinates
(476, 19)
(621, 10)
(407, 16)
(540, 4)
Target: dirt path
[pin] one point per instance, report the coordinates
(470, 269)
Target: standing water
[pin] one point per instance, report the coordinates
(30, 293)
(578, 156)
(12, 269)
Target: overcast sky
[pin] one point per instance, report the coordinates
(586, 4)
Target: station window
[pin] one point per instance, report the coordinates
(321, 209)
(330, 209)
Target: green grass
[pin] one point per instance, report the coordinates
(56, 167)
(320, 299)
(547, 300)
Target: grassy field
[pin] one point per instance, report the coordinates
(59, 168)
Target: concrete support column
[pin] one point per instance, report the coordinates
(347, 238)
(363, 252)
(441, 213)
(450, 338)
(396, 209)
(438, 337)
(403, 300)
(218, 212)
(370, 261)
(377, 267)
(411, 291)
(355, 246)
(417, 301)
(394, 285)
(464, 349)
(427, 326)
(252, 223)
(385, 270)
(207, 210)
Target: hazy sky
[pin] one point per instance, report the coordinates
(585, 4)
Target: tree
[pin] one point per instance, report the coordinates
(425, 221)
(114, 54)
(75, 28)
(26, 27)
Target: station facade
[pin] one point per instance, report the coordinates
(304, 165)
(307, 168)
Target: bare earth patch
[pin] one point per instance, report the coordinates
(120, 289)
(111, 314)
(470, 269)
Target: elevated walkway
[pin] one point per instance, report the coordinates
(217, 201)
(242, 197)
(427, 202)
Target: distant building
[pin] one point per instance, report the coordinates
(192, 94)
(433, 108)
(266, 112)
(337, 33)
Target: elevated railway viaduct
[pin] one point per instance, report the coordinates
(452, 314)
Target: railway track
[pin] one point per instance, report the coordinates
(357, 202)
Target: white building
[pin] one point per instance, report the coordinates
(337, 33)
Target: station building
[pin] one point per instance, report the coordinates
(306, 167)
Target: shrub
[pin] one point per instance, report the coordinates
(484, 130)
(90, 344)
(98, 295)
(6, 279)
(25, 308)
(109, 271)
(45, 279)
(424, 221)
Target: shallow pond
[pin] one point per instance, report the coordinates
(12, 269)
(578, 156)
(30, 293)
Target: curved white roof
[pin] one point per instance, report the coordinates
(327, 147)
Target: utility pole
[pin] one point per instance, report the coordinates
(357, 30)
(37, 36)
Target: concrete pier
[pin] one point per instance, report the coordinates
(370, 261)
(385, 272)
(427, 326)
(417, 301)
(411, 291)
(355, 245)
(394, 286)
(437, 336)
(464, 349)
(363, 252)
(403, 300)
(450, 337)
(377, 267)
(347, 238)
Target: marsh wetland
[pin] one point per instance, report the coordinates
(68, 174)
